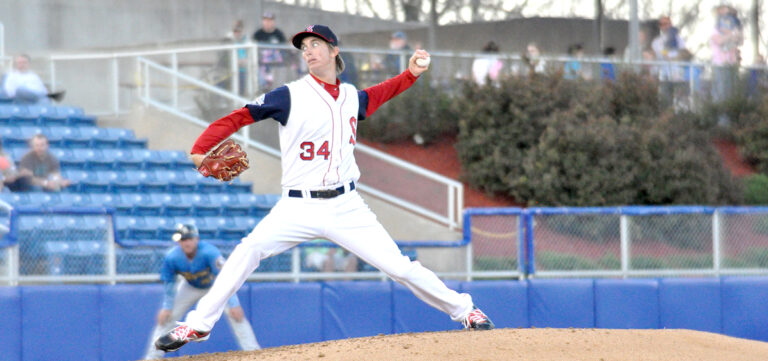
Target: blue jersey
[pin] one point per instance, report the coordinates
(199, 271)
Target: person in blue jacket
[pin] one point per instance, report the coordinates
(195, 264)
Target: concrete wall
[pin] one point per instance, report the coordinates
(44, 25)
(553, 35)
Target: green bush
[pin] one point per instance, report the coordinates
(756, 189)
(422, 109)
(549, 142)
(494, 264)
(559, 261)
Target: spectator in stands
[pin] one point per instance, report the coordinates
(11, 179)
(329, 259)
(43, 166)
(488, 66)
(198, 263)
(607, 66)
(271, 60)
(573, 68)
(350, 68)
(726, 38)
(25, 86)
(398, 42)
(532, 59)
(237, 36)
(669, 46)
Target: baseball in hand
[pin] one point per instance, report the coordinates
(423, 62)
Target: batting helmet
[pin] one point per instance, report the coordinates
(185, 231)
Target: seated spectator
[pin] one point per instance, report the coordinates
(25, 86)
(43, 166)
(11, 178)
(329, 259)
(392, 62)
(488, 66)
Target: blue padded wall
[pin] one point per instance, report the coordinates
(627, 303)
(561, 303)
(356, 309)
(222, 338)
(60, 324)
(302, 302)
(128, 307)
(10, 319)
(411, 314)
(745, 307)
(690, 303)
(505, 302)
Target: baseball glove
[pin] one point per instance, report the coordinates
(225, 162)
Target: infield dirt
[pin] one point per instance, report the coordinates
(518, 344)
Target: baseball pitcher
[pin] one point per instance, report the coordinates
(318, 118)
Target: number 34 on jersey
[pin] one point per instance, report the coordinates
(308, 151)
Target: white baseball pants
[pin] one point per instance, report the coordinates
(186, 296)
(345, 220)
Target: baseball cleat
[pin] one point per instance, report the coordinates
(178, 337)
(477, 320)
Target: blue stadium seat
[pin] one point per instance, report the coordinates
(53, 118)
(208, 184)
(79, 138)
(236, 229)
(56, 253)
(238, 186)
(59, 132)
(97, 182)
(77, 177)
(189, 220)
(67, 160)
(154, 184)
(78, 120)
(231, 206)
(102, 199)
(73, 199)
(5, 115)
(25, 117)
(159, 160)
(147, 228)
(128, 182)
(124, 224)
(207, 206)
(212, 225)
(179, 160)
(180, 181)
(9, 132)
(125, 160)
(17, 153)
(112, 137)
(41, 199)
(144, 204)
(25, 133)
(105, 160)
(85, 156)
(88, 258)
(180, 207)
(15, 199)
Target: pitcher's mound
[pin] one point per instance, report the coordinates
(518, 344)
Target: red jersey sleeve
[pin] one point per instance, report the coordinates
(221, 129)
(388, 89)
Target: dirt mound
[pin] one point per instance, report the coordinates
(518, 344)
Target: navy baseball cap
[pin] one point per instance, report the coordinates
(185, 231)
(321, 31)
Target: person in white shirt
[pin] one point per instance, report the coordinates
(23, 84)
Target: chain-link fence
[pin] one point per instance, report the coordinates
(58, 244)
(496, 236)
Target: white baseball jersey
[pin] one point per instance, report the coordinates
(317, 139)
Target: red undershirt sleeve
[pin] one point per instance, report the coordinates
(388, 89)
(221, 129)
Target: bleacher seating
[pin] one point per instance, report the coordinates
(151, 191)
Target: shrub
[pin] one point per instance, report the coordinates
(756, 189)
(422, 109)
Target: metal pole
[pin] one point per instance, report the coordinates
(634, 31)
(598, 26)
(755, 31)
(111, 252)
(2, 40)
(52, 66)
(716, 242)
(625, 239)
(296, 264)
(175, 80)
(235, 74)
(116, 89)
